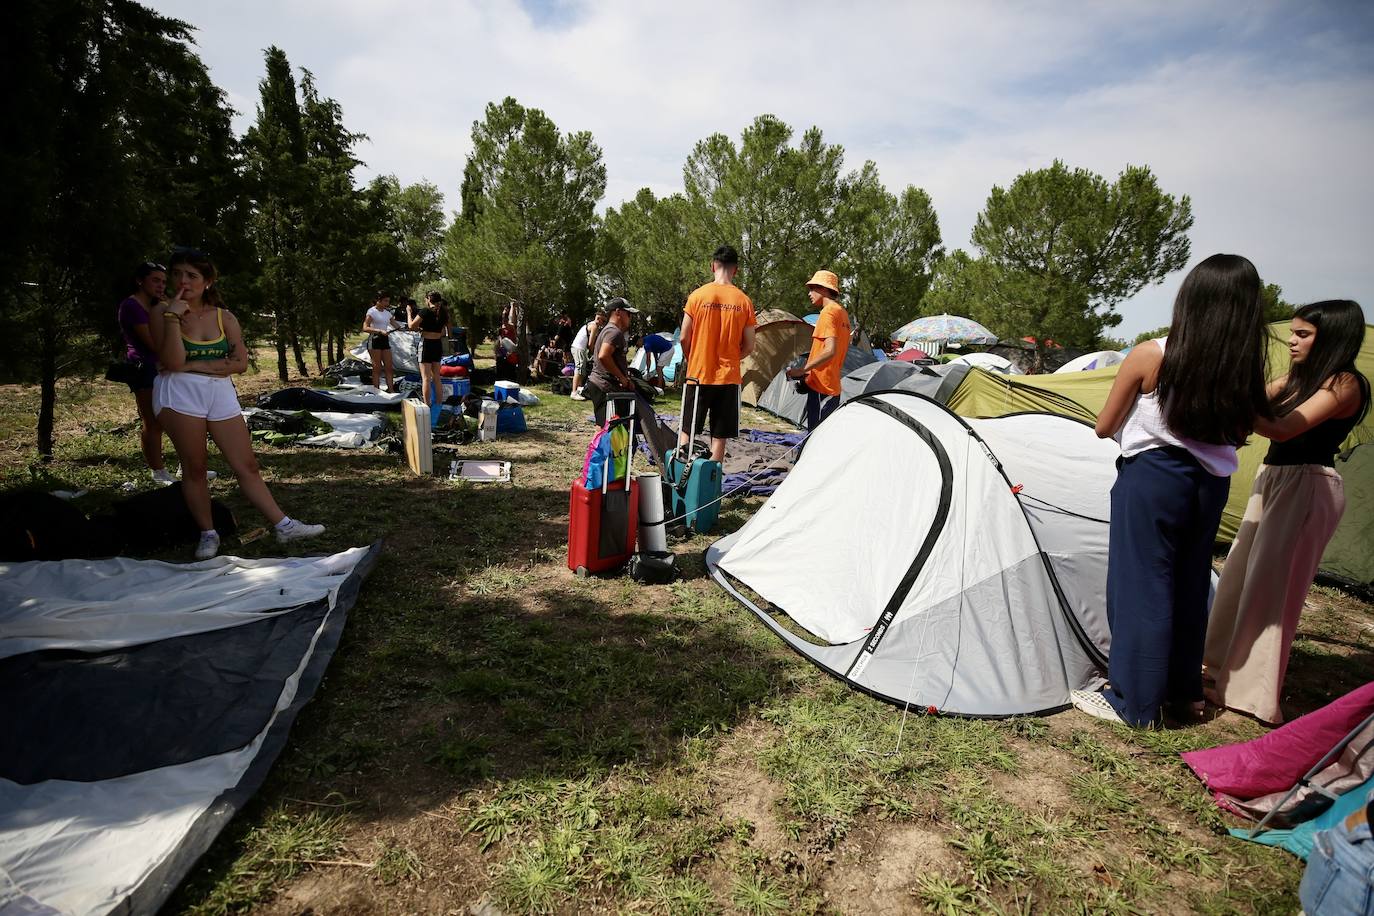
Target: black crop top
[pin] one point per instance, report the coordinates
(430, 322)
(1316, 446)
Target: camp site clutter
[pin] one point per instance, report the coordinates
(966, 503)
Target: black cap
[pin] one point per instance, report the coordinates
(726, 255)
(619, 302)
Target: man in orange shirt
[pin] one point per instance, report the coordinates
(829, 344)
(717, 332)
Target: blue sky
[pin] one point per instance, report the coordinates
(1263, 112)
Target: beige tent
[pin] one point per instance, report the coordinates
(779, 338)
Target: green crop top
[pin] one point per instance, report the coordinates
(200, 350)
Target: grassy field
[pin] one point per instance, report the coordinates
(495, 735)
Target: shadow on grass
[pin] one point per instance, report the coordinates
(1317, 675)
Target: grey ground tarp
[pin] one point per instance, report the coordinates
(144, 704)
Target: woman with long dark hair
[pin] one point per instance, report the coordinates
(1179, 414)
(432, 322)
(199, 348)
(1296, 503)
(150, 282)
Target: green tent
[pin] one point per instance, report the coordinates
(1349, 556)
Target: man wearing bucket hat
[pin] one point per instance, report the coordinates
(610, 369)
(820, 374)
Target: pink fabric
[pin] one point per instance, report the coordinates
(1274, 762)
(910, 355)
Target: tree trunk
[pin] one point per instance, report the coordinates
(319, 356)
(298, 352)
(47, 399)
(279, 332)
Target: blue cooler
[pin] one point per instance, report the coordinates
(507, 391)
(510, 418)
(456, 386)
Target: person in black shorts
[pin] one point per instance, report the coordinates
(717, 333)
(377, 325)
(432, 322)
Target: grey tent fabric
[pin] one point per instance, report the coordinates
(781, 397)
(935, 382)
(963, 562)
(150, 702)
(405, 352)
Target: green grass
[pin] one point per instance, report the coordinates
(491, 726)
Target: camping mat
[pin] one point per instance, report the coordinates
(1298, 840)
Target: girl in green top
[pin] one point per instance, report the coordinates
(200, 347)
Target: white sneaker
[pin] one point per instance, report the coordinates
(297, 531)
(1095, 704)
(161, 476)
(209, 475)
(577, 396)
(208, 546)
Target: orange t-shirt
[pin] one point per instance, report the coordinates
(833, 322)
(720, 313)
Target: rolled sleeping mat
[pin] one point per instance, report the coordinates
(653, 532)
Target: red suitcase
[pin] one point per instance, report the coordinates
(602, 526)
(603, 522)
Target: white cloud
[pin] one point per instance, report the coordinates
(1261, 114)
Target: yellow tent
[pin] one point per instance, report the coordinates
(1350, 555)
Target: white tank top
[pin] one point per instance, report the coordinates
(1145, 429)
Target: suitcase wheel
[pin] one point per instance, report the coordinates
(580, 572)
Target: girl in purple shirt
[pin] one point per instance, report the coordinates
(150, 282)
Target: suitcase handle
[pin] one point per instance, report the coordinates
(692, 428)
(630, 446)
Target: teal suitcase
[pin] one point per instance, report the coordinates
(694, 483)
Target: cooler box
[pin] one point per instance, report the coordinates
(460, 387)
(695, 491)
(602, 526)
(510, 418)
(506, 391)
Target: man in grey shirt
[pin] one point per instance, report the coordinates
(610, 369)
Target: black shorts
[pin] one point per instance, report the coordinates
(719, 403)
(379, 342)
(141, 378)
(431, 351)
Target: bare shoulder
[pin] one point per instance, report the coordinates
(230, 322)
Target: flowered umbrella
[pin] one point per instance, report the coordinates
(949, 328)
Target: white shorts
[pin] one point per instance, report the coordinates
(210, 397)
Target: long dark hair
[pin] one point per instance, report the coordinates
(1212, 380)
(1340, 334)
(205, 267)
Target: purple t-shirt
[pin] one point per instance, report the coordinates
(131, 314)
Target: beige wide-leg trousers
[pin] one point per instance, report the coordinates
(1292, 513)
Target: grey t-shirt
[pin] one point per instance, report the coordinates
(599, 376)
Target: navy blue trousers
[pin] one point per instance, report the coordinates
(1165, 513)
(818, 407)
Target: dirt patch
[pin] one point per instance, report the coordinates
(877, 871)
(1041, 785)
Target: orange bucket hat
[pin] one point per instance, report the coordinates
(825, 279)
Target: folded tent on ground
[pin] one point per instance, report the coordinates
(935, 561)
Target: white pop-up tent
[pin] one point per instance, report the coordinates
(144, 704)
(937, 561)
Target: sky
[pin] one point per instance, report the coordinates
(1261, 112)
